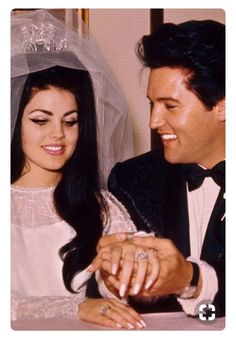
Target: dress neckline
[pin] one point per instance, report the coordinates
(33, 189)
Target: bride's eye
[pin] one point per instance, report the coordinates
(39, 121)
(71, 123)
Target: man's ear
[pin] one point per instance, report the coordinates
(220, 110)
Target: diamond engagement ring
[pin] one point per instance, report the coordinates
(103, 309)
(154, 252)
(142, 255)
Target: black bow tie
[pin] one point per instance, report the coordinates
(195, 174)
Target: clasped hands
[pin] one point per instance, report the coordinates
(141, 266)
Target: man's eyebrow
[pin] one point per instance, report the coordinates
(167, 99)
(164, 99)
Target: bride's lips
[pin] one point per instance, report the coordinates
(54, 149)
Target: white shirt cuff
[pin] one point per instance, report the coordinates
(208, 291)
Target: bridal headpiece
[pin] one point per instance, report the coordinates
(40, 41)
(41, 38)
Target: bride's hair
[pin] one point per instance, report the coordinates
(77, 196)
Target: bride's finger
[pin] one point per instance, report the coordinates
(110, 312)
(141, 259)
(154, 268)
(115, 261)
(127, 268)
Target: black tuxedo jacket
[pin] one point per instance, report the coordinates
(154, 193)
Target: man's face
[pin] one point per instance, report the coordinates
(190, 132)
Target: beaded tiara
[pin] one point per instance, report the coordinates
(41, 38)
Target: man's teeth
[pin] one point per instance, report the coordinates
(53, 148)
(168, 136)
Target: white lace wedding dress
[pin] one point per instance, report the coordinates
(38, 233)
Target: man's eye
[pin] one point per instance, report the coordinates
(168, 106)
(39, 121)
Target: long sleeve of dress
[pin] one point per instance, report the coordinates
(118, 220)
(43, 307)
(37, 287)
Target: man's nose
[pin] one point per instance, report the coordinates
(157, 118)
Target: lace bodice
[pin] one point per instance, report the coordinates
(37, 235)
(33, 207)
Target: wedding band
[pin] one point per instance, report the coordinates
(142, 255)
(103, 309)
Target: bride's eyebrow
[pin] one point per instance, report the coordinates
(50, 113)
(70, 112)
(41, 111)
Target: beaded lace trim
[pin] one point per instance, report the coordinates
(32, 207)
(32, 189)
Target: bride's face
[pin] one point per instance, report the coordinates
(49, 130)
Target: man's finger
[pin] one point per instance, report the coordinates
(155, 268)
(110, 239)
(158, 244)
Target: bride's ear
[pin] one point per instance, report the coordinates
(220, 110)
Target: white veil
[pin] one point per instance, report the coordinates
(36, 33)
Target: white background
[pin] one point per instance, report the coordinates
(229, 7)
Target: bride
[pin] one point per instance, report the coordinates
(65, 113)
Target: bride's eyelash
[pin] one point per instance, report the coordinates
(71, 123)
(44, 121)
(39, 121)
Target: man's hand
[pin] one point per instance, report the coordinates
(161, 271)
(175, 271)
(132, 267)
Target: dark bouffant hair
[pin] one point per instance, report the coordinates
(196, 46)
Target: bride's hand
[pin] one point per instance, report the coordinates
(111, 313)
(138, 270)
(125, 266)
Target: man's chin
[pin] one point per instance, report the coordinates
(171, 159)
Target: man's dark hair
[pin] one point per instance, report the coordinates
(197, 47)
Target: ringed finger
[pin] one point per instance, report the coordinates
(154, 268)
(141, 272)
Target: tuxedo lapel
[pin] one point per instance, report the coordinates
(176, 212)
(214, 242)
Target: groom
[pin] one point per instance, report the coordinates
(178, 192)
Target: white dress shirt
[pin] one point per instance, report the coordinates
(200, 206)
